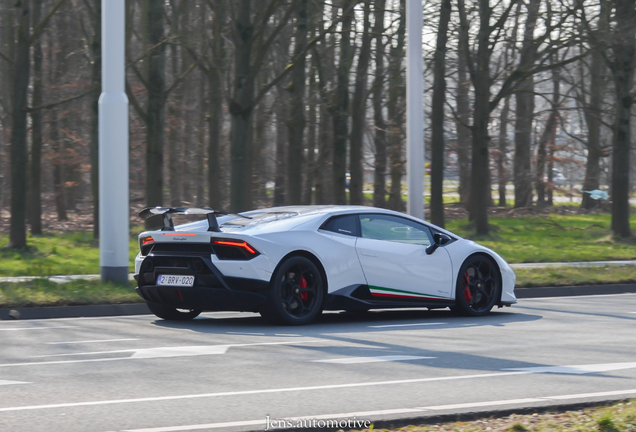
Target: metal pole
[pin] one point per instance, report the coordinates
(414, 109)
(113, 147)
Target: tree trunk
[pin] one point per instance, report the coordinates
(324, 175)
(241, 109)
(463, 119)
(216, 188)
(503, 149)
(96, 81)
(296, 120)
(525, 113)
(379, 174)
(58, 166)
(281, 145)
(311, 142)
(547, 138)
(199, 152)
(156, 103)
(624, 50)
(480, 194)
(175, 135)
(593, 113)
(359, 111)
(35, 214)
(21, 64)
(215, 118)
(437, 117)
(341, 111)
(396, 108)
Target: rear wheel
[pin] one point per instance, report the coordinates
(296, 292)
(478, 286)
(172, 314)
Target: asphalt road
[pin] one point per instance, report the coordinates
(229, 371)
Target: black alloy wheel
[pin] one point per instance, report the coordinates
(297, 290)
(170, 313)
(478, 286)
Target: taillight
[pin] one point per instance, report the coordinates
(234, 249)
(145, 244)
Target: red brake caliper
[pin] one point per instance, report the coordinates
(303, 284)
(467, 294)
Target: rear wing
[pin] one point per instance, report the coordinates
(167, 212)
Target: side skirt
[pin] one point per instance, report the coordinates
(360, 298)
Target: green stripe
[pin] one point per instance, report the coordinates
(404, 292)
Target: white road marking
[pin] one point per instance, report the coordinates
(159, 352)
(407, 325)
(256, 392)
(573, 297)
(577, 369)
(308, 388)
(34, 328)
(90, 341)
(206, 426)
(246, 333)
(367, 414)
(12, 382)
(355, 360)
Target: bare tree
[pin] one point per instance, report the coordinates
(437, 117)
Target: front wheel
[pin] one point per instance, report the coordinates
(478, 286)
(296, 292)
(172, 314)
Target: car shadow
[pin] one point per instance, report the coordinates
(342, 336)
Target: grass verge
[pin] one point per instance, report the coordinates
(55, 253)
(545, 238)
(552, 238)
(615, 417)
(42, 292)
(570, 276)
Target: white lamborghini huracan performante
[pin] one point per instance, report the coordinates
(291, 263)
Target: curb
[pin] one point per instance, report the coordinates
(399, 422)
(568, 291)
(142, 309)
(75, 311)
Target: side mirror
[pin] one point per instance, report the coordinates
(438, 240)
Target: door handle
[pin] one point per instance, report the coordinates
(368, 254)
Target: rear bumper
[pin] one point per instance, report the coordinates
(212, 291)
(203, 298)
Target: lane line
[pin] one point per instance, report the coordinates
(356, 360)
(578, 369)
(90, 341)
(281, 390)
(367, 414)
(407, 325)
(573, 297)
(34, 328)
(257, 392)
(159, 352)
(12, 382)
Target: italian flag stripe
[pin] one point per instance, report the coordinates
(392, 292)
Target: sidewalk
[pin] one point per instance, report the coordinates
(68, 278)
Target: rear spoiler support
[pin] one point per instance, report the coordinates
(167, 212)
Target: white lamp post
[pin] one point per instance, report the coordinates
(414, 109)
(113, 147)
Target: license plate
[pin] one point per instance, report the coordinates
(173, 280)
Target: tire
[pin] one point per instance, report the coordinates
(296, 292)
(172, 314)
(478, 286)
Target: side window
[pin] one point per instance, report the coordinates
(346, 224)
(392, 228)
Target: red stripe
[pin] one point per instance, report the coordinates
(394, 295)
